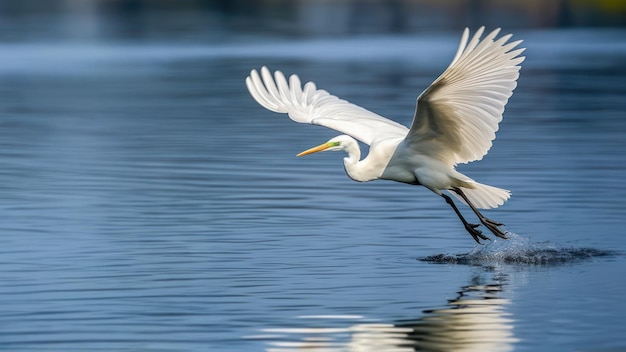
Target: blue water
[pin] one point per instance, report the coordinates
(147, 203)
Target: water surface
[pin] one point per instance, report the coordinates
(149, 204)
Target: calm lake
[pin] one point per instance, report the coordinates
(147, 203)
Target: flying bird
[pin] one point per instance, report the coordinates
(455, 122)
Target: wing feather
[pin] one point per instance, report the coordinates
(318, 107)
(458, 115)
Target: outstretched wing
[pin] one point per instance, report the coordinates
(457, 116)
(318, 107)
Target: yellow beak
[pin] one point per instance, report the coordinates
(319, 148)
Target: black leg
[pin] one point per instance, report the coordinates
(490, 224)
(471, 228)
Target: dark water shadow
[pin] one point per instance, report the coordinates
(519, 250)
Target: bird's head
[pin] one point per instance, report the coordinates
(335, 144)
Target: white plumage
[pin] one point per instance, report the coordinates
(455, 121)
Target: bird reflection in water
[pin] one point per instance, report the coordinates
(476, 320)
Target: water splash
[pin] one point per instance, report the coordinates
(519, 250)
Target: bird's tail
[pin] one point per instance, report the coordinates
(484, 196)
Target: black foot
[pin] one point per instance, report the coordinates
(492, 222)
(471, 229)
(493, 227)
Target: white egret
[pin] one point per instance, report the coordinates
(455, 122)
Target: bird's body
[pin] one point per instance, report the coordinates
(455, 122)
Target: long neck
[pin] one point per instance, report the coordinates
(357, 169)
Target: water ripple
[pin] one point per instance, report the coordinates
(519, 250)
